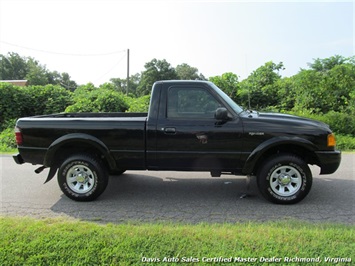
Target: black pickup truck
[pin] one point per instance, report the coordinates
(190, 126)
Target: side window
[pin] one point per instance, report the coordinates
(191, 103)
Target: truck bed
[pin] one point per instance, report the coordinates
(122, 133)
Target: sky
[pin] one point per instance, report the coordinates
(89, 38)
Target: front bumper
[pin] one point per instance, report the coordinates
(329, 161)
(18, 158)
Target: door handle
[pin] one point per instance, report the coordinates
(170, 130)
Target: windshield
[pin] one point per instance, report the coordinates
(227, 99)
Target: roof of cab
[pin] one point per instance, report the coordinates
(182, 82)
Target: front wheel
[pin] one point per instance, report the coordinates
(284, 179)
(82, 177)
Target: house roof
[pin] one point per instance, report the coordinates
(16, 82)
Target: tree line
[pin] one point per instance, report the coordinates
(324, 91)
(16, 67)
(328, 84)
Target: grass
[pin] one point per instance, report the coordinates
(25, 241)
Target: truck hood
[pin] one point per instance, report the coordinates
(274, 119)
(292, 118)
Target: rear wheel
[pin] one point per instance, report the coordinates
(82, 177)
(284, 179)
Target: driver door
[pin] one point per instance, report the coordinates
(190, 138)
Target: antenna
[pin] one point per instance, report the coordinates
(246, 68)
(249, 106)
(127, 89)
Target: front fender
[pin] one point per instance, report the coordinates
(74, 139)
(260, 150)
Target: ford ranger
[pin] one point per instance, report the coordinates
(190, 126)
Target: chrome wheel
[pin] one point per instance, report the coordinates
(285, 181)
(80, 179)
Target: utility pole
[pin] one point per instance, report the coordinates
(127, 70)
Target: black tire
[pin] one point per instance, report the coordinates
(82, 177)
(284, 179)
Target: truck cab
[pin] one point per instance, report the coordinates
(194, 129)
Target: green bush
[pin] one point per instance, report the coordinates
(87, 98)
(7, 136)
(12, 101)
(47, 99)
(83, 99)
(341, 122)
(7, 140)
(16, 102)
(111, 101)
(138, 105)
(345, 143)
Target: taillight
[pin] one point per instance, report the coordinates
(18, 135)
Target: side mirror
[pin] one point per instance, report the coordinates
(221, 114)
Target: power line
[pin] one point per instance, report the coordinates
(59, 53)
(118, 62)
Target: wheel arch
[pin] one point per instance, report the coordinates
(77, 143)
(298, 146)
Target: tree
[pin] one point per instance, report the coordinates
(258, 89)
(65, 81)
(37, 74)
(121, 84)
(286, 94)
(186, 72)
(322, 65)
(155, 70)
(13, 67)
(326, 87)
(228, 82)
(62, 79)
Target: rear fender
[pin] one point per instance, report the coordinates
(75, 139)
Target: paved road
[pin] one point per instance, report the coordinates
(176, 196)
